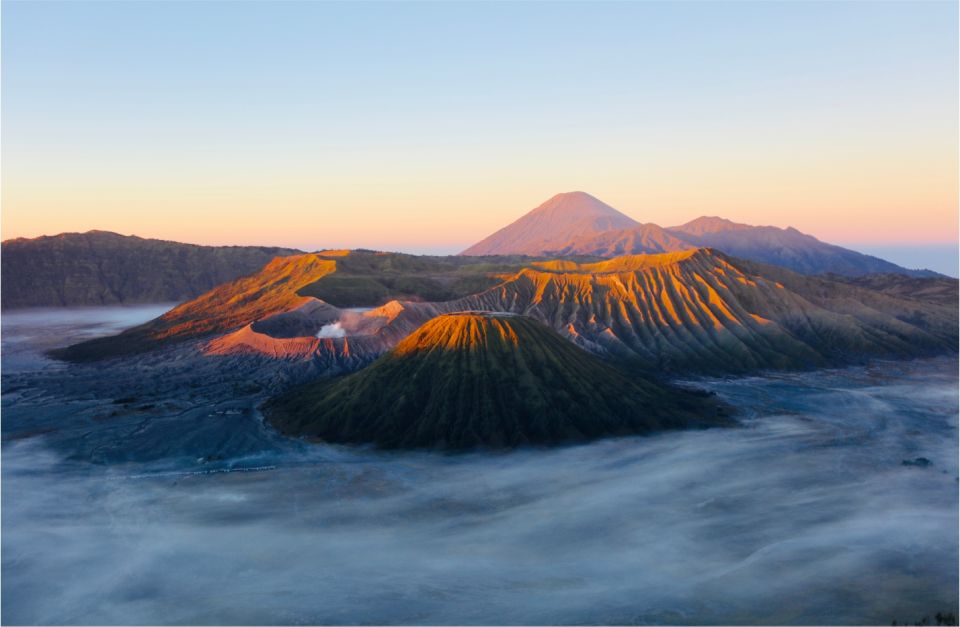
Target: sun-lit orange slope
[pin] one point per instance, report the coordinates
(224, 308)
(626, 263)
(272, 290)
(696, 310)
(700, 309)
(461, 332)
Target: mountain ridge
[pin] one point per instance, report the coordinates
(709, 224)
(230, 305)
(693, 310)
(105, 268)
(702, 310)
(788, 247)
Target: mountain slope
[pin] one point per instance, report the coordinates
(291, 288)
(784, 247)
(553, 225)
(695, 310)
(482, 379)
(272, 290)
(688, 311)
(641, 240)
(706, 225)
(101, 268)
(567, 225)
(701, 310)
(939, 290)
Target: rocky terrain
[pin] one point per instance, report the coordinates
(272, 290)
(576, 223)
(480, 379)
(701, 310)
(697, 310)
(308, 290)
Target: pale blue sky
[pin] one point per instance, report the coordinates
(427, 125)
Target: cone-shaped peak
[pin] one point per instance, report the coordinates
(485, 379)
(553, 225)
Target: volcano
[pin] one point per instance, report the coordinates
(474, 379)
(577, 224)
(553, 225)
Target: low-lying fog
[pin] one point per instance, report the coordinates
(26, 333)
(807, 515)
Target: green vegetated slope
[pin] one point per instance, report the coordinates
(479, 379)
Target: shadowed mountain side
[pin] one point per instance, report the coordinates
(939, 290)
(102, 268)
(876, 310)
(477, 379)
(272, 290)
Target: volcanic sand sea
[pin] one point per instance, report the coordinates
(805, 515)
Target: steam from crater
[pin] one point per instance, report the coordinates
(334, 329)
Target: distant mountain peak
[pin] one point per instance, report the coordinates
(576, 223)
(575, 196)
(579, 203)
(553, 225)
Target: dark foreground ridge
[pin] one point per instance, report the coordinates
(102, 268)
(475, 379)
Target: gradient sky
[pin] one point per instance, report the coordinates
(425, 126)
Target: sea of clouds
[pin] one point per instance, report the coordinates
(806, 514)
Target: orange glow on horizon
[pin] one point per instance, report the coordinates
(899, 216)
(898, 193)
